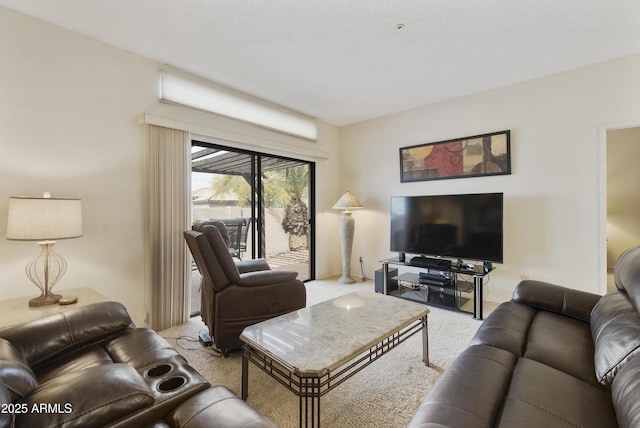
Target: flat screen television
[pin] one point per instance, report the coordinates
(456, 226)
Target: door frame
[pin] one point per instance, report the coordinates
(602, 196)
(256, 205)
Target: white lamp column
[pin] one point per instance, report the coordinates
(346, 229)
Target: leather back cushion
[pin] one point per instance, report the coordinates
(627, 275)
(41, 340)
(222, 253)
(615, 327)
(15, 373)
(206, 259)
(624, 393)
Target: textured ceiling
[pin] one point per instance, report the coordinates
(347, 61)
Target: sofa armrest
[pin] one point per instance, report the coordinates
(470, 392)
(252, 265)
(555, 298)
(217, 407)
(96, 396)
(266, 277)
(45, 338)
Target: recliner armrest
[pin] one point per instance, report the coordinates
(266, 277)
(555, 298)
(48, 337)
(252, 265)
(217, 407)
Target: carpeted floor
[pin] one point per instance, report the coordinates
(386, 394)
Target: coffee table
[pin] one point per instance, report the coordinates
(315, 349)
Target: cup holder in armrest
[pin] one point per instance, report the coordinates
(160, 370)
(171, 384)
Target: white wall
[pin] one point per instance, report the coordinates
(68, 125)
(551, 198)
(68, 109)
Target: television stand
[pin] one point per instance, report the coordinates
(427, 283)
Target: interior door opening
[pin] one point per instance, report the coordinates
(266, 202)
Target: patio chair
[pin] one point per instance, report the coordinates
(236, 295)
(234, 233)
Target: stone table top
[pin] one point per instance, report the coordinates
(318, 339)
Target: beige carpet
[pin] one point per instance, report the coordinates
(385, 394)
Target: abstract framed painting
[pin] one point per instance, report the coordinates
(475, 156)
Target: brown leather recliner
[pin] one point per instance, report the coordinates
(91, 367)
(236, 295)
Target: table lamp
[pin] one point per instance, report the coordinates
(346, 228)
(44, 219)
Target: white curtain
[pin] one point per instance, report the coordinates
(168, 216)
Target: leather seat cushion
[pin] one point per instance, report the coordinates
(80, 359)
(539, 396)
(563, 343)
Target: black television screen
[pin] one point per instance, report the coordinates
(457, 226)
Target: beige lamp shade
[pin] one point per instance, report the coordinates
(347, 201)
(46, 218)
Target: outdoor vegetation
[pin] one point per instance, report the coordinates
(283, 188)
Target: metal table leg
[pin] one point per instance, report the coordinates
(245, 375)
(425, 341)
(310, 402)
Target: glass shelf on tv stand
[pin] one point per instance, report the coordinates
(420, 291)
(457, 294)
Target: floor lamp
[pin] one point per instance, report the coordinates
(45, 220)
(346, 228)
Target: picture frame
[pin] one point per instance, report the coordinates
(475, 156)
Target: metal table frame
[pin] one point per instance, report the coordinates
(310, 387)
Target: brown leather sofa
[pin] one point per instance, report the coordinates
(551, 357)
(91, 367)
(236, 295)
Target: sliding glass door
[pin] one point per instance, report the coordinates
(265, 201)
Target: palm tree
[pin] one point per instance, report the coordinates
(283, 187)
(295, 182)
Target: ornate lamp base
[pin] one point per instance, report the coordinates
(45, 270)
(50, 299)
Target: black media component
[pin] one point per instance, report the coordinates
(427, 262)
(465, 226)
(401, 257)
(487, 267)
(392, 284)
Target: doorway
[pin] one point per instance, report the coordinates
(266, 202)
(622, 195)
(613, 182)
